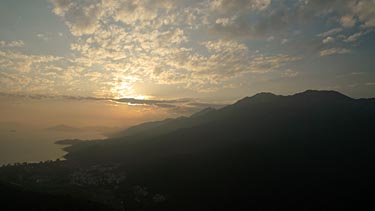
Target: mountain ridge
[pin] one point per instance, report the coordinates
(262, 97)
(307, 151)
(262, 106)
(315, 146)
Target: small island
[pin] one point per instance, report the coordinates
(68, 141)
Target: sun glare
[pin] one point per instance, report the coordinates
(124, 89)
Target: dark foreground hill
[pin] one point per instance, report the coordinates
(309, 151)
(15, 198)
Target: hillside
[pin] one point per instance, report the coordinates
(16, 198)
(310, 149)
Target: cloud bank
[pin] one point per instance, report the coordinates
(198, 45)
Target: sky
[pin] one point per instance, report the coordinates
(120, 62)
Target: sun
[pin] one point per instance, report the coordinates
(125, 89)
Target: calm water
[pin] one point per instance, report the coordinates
(28, 144)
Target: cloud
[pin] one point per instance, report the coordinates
(85, 98)
(289, 73)
(23, 62)
(42, 36)
(81, 17)
(12, 44)
(330, 32)
(266, 24)
(333, 51)
(85, 17)
(226, 46)
(242, 18)
(280, 16)
(238, 6)
(224, 21)
(197, 45)
(226, 60)
(177, 106)
(61, 6)
(284, 41)
(347, 21)
(354, 37)
(134, 101)
(270, 38)
(159, 55)
(130, 12)
(364, 10)
(13, 82)
(328, 40)
(84, 20)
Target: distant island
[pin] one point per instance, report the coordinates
(68, 141)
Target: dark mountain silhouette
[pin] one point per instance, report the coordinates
(312, 150)
(308, 151)
(203, 112)
(14, 198)
(150, 129)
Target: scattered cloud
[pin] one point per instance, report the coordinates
(354, 37)
(347, 21)
(330, 32)
(270, 38)
(289, 73)
(197, 45)
(328, 40)
(42, 36)
(61, 6)
(81, 17)
(356, 74)
(332, 51)
(23, 62)
(12, 44)
(238, 6)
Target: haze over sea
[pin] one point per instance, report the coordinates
(27, 143)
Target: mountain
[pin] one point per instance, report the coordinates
(308, 151)
(150, 129)
(15, 198)
(203, 112)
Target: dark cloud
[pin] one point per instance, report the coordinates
(284, 14)
(183, 104)
(46, 97)
(142, 101)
